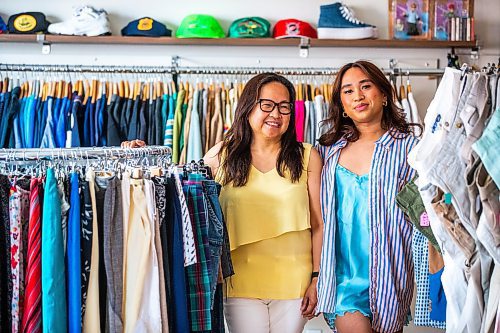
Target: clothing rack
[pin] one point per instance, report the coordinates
(33, 154)
(85, 68)
(206, 70)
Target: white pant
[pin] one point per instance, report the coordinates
(253, 315)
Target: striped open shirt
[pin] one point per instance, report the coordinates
(391, 264)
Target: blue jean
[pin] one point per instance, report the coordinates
(73, 258)
(215, 231)
(180, 310)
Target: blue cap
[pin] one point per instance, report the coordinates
(3, 26)
(146, 27)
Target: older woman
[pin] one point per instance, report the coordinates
(270, 201)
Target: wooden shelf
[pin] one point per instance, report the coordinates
(378, 43)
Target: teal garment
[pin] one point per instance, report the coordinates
(53, 269)
(352, 244)
(485, 146)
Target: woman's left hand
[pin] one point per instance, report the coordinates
(310, 300)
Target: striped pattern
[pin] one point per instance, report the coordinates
(32, 317)
(391, 264)
(190, 256)
(169, 126)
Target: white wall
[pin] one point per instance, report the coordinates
(171, 13)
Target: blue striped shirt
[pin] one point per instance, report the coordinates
(391, 264)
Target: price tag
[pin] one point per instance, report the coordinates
(447, 198)
(424, 220)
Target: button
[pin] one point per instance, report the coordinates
(459, 125)
(446, 124)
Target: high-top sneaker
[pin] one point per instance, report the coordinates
(86, 21)
(337, 21)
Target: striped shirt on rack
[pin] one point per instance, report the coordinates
(391, 264)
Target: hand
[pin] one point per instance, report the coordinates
(310, 300)
(133, 144)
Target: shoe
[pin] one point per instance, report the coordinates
(86, 21)
(337, 21)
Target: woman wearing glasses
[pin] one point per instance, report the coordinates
(270, 200)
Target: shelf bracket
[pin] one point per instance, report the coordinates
(46, 48)
(174, 63)
(304, 45)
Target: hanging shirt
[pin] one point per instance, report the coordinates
(391, 268)
(415, 117)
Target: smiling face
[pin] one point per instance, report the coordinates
(270, 125)
(362, 100)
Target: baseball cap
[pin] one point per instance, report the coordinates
(28, 23)
(147, 27)
(200, 26)
(250, 27)
(290, 28)
(3, 26)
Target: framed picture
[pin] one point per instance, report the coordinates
(409, 19)
(452, 19)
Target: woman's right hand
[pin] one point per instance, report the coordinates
(133, 144)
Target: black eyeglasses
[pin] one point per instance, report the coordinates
(267, 105)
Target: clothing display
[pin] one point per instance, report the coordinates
(460, 197)
(171, 242)
(135, 246)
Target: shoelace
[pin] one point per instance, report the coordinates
(87, 10)
(349, 15)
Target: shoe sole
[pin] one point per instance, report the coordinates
(346, 33)
(89, 33)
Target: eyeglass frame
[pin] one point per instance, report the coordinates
(260, 100)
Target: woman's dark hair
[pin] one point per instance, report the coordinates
(339, 126)
(235, 148)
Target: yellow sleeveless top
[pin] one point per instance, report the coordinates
(270, 234)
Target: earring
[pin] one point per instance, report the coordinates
(344, 115)
(384, 103)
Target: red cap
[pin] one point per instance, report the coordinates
(290, 28)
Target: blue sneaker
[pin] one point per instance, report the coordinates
(337, 21)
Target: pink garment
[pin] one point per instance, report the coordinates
(299, 120)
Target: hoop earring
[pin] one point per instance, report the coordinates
(384, 103)
(344, 115)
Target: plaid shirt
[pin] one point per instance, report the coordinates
(198, 274)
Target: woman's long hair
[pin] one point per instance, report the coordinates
(339, 126)
(235, 148)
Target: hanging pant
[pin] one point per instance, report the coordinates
(53, 268)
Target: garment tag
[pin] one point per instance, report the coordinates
(447, 198)
(424, 220)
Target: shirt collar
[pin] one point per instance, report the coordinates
(389, 137)
(386, 140)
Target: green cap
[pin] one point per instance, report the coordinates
(250, 27)
(200, 26)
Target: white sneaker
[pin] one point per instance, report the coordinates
(86, 21)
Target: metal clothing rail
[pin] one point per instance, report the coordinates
(85, 68)
(299, 71)
(34, 154)
(208, 70)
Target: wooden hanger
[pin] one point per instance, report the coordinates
(120, 89)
